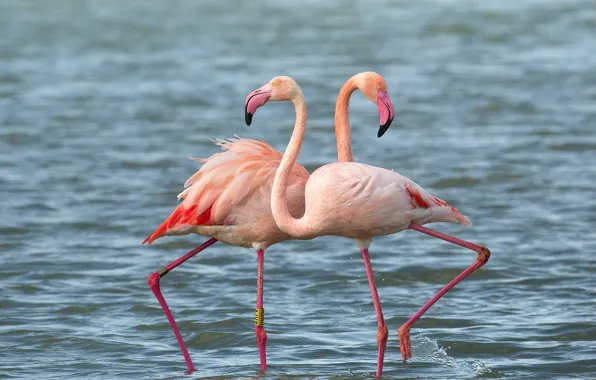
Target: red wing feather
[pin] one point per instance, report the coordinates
(417, 200)
(180, 217)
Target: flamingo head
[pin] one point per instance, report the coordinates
(278, 89)
(374, 87)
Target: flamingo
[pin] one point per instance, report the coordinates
(228, 199)
(360, 201)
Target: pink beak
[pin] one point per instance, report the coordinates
(386, 112)
(254, 100)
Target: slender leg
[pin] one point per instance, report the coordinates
(405, 344)
(383, 333)
(154, 285)
(260, 312)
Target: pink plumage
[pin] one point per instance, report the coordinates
(361, 202)
(230, 196)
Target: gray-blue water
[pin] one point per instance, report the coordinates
(101, 103)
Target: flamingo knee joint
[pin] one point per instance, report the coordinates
(382, 334)
(483, 255)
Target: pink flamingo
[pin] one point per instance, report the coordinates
(228, 199)
(360, 201)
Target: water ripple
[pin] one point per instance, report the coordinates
(101, 103)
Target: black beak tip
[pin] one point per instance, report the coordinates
(248, 118)
(383, 128)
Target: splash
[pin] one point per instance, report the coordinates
(428, 350)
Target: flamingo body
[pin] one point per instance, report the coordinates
(361, 201)
(229, 198)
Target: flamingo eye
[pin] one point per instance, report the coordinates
(275, 83)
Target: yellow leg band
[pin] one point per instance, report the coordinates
(259, 317)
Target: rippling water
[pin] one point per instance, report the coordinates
(101, 103)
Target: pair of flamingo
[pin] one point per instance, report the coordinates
(250, 195)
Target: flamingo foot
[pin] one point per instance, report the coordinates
(382, 343)
(262, 342)
(405, 344)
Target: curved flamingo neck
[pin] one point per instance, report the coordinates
(342, 122)
(279, 205)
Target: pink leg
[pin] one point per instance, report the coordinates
(260, 312)
(154, 285)
(382, 334)
(405, 344)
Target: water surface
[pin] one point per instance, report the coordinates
(101, 103)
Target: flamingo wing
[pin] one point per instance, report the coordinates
(440, 210)
(224, 181)
(375, 196)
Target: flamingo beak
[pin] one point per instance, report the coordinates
(256, 99)
(386, 112)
